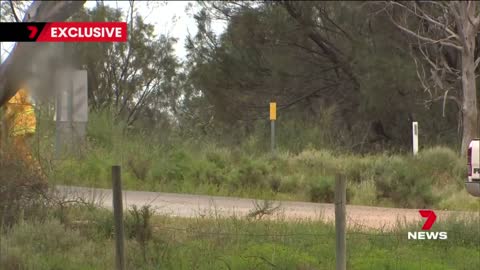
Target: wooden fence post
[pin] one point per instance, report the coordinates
(340, 222)
(118, 216)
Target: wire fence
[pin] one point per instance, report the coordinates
(84, 236)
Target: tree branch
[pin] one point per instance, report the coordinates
(459, 14)
(424, 38)
(471, 6)
(477, 61)
(15, 70)
(425, 16)
(330, 50)
(13, 11)
(444, 98)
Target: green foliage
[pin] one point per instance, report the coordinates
(322, 190)
(134, 80)
(401, 181)
(262, 56)
(252, 173)
(420, 181)
(443, 164)
(103, 130)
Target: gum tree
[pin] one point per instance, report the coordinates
(444, 36)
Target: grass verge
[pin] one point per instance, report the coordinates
(84, 241)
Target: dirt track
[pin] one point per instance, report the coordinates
(186, 205)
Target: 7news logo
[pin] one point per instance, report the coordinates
(425, 234)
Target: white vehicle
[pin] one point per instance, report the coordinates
(473, 161)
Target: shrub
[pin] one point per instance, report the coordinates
(443, 165)
(438, 159)
(253, 173)
(322, 162)
(358, 169)
(22, 189)
(401, 181)
(48, 237)
(207, 173)
(140, 167)
(93, 170)
(364, 193)
(103, 130)
(138, 223)
(103, 224)
(322, 190)
(49, 245)
(289, 184)
(178, 165)
(139, 226)
(217, 156)
(274, 183)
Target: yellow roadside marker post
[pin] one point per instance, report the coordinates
(273, 117)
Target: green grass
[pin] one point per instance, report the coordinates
(212, 243)
(171, 163)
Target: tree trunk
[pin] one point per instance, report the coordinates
(15, 71)
(469, 102)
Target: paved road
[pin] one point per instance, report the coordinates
(186, 205)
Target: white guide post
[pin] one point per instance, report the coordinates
(415, 137)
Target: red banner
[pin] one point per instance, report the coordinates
(64, 32)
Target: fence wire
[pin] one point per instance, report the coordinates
(223, 244)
